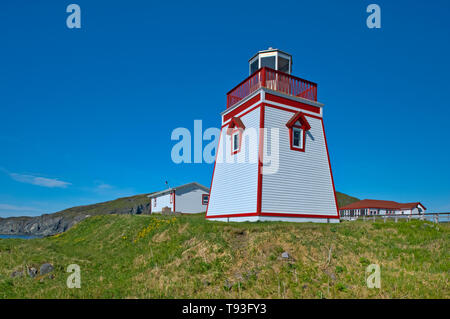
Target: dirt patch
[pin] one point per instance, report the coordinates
(164, 236)
(140, 261)
(183, 228)
(237, 238)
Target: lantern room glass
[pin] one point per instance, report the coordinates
(271, 58)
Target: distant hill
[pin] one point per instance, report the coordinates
(137, 204)
(344, 199)
(51, 224)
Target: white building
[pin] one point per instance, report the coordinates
(371, 207)
(272, 159)
(187, 199)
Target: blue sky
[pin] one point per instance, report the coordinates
(87, 114)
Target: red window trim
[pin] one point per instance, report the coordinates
(235, 126)
(203, 196)
(291, 124)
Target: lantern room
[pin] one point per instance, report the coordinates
(271, 58)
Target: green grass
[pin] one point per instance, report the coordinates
(132, 256)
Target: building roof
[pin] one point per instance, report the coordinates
(270, 49)
(383, 204)
(299, 116)
(169, 190)
(235, 122)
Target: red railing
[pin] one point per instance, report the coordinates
(273, 80)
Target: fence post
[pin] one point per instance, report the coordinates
(396, 218)
(436, 218)
(373, 218)
(384, 219)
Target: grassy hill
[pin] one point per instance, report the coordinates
(51, 224)
(141, 256)
(118, 206)
(344, 199)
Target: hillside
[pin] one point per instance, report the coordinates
(142, 256)
(344, 199)
(51, 224)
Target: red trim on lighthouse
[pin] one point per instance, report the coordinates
(174, 196)
(235, 127)
(242, 107)
(298, 215)
(291, 110)
(286, 101)
(260, 158)
(245, 113)
(235, 123)
(300, 117)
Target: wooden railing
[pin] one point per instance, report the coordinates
(273, 80)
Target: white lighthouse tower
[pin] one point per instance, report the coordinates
(272, 160)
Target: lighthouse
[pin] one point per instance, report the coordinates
(272, 161)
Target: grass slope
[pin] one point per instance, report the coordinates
(135, 256)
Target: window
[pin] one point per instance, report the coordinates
(268, 62)
(205, 199)
(254, 66)
(297, 139)
(172, 195)
(283, 65)
(235, 129)
(298, 125)
(154, 202)
(235, 141)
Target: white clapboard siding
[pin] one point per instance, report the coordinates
(303, 183)
(234, 185)
(161, 201)
(188, 200)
